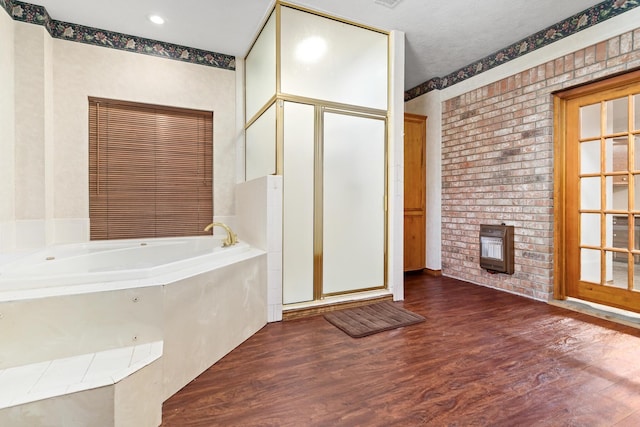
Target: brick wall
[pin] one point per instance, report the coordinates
(497, 164)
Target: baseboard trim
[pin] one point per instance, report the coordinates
(297, 313)
(434, 273)
(427, 271)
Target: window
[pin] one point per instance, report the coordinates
(150, 170)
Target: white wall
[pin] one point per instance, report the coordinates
(7, 132)
(53, 80)
(430, 104)
(81, 71)
(32, 146)
(395, 191)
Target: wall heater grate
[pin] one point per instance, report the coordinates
(496, 248)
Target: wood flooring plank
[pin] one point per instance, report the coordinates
(483, 357)
(632, 420)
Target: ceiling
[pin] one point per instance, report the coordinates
(441, 36)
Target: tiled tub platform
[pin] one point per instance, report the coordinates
(109, 353)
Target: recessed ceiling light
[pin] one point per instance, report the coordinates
(388, 3)
(156, 19)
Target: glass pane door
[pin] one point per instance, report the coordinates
(609, 199)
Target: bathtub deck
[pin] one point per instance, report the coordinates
(61, 362)
(44, 380)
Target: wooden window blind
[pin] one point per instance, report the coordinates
(150, 170)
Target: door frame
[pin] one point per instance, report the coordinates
(561, 195)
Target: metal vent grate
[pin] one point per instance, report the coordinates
(388, 3)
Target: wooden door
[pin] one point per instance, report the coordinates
(602, 196)
(414, 192)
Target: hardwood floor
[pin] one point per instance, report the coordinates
(483, 357)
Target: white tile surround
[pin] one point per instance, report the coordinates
(259, 222)
(24, 235)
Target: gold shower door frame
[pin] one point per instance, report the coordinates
(320, 109)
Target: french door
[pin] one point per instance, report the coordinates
(601, 194)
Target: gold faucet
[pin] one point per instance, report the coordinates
(231, 239)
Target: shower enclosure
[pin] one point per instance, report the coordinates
(316, 108)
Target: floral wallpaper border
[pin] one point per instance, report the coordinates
(34, 14)
(578, 22)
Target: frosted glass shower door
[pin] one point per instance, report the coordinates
(353, 237)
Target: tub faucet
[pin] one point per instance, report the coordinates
(231, 239)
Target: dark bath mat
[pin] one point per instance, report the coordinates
(370, 319)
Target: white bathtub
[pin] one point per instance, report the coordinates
(114, 264)
(195, 299)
